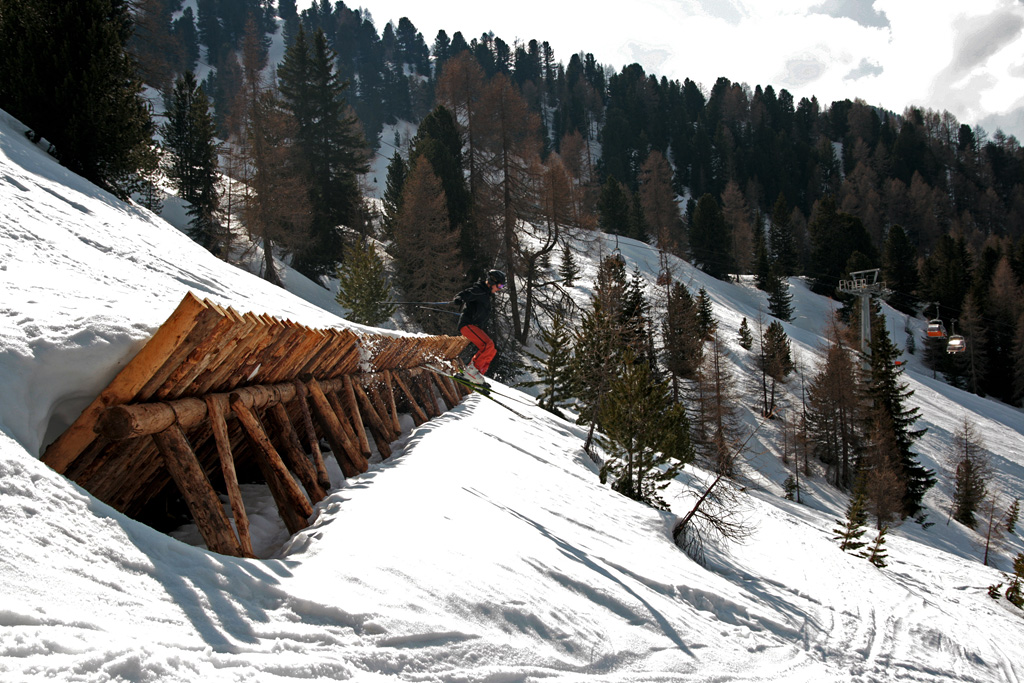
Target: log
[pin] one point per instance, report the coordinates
(291, 502)
(348, 395)
(227, 466)
(377, 427)
(418, 416)
(333, 431)
(389, 390)
(295, 457)
(312, 439)
(379, 409)
(447, 395)
(199, 495)
(359, 457)
(139, 419)
(170, 341)
(426, 392)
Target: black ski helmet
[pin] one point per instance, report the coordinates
(496, 277)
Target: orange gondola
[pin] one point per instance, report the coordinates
(936, 329)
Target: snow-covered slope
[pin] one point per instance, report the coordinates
(485, 549)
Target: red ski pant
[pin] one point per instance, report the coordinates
(485, 347)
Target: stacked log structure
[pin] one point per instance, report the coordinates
(214, 391)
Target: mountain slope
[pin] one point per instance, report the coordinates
(485, 549)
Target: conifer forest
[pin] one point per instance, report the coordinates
(511, 149)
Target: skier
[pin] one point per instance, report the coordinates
(476, 309)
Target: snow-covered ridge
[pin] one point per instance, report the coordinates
(485, 549)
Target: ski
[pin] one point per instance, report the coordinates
(459, 377)
(479, 389)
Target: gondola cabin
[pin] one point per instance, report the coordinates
(936, 329)
(956, 344)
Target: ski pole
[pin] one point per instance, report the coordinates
(416, 303)
(439, 310)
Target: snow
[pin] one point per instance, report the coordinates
(484, 549)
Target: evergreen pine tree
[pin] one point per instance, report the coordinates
(1013, 592)
(613, 209)
(66, 74)
(746, 339)
(782, 247)
(683, 341)
(875, 553)
(899, 269)
(331, 149)
(647, 435)
(710, 240)
(762, 262)
(1012, 516)
(791, 487)
(775, 362)
(568, 269)
(438, 140)
(972, 472)
(889, 396)
(706, 323)
(363, 286)
(391, 202)
(853, 527)
(780, 300)
(554, 366)
(189, 135)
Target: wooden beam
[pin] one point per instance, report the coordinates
(291, 450)
(422, 385)
(380, 431)
(333, 431)
(418, 416)
(292, 503)
(171, 340)
(348, 395)
(139, 419)
(202, 500)
(360, 453)
(312, 439)
(447, 393)
(389, 391)
(227, 466)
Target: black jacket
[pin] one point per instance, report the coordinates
(476, 305)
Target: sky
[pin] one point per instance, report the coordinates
(484, 549)
(947, 55)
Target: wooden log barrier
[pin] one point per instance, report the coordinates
(312, 440)
(174, 340)
(218, 424)
(293, 454)
(202, 500)
(389, 390)
(293, 505)
(351, 408)
(359, 454)
(418, 416)
(333, 431)
(381, 433)
(139, 419)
